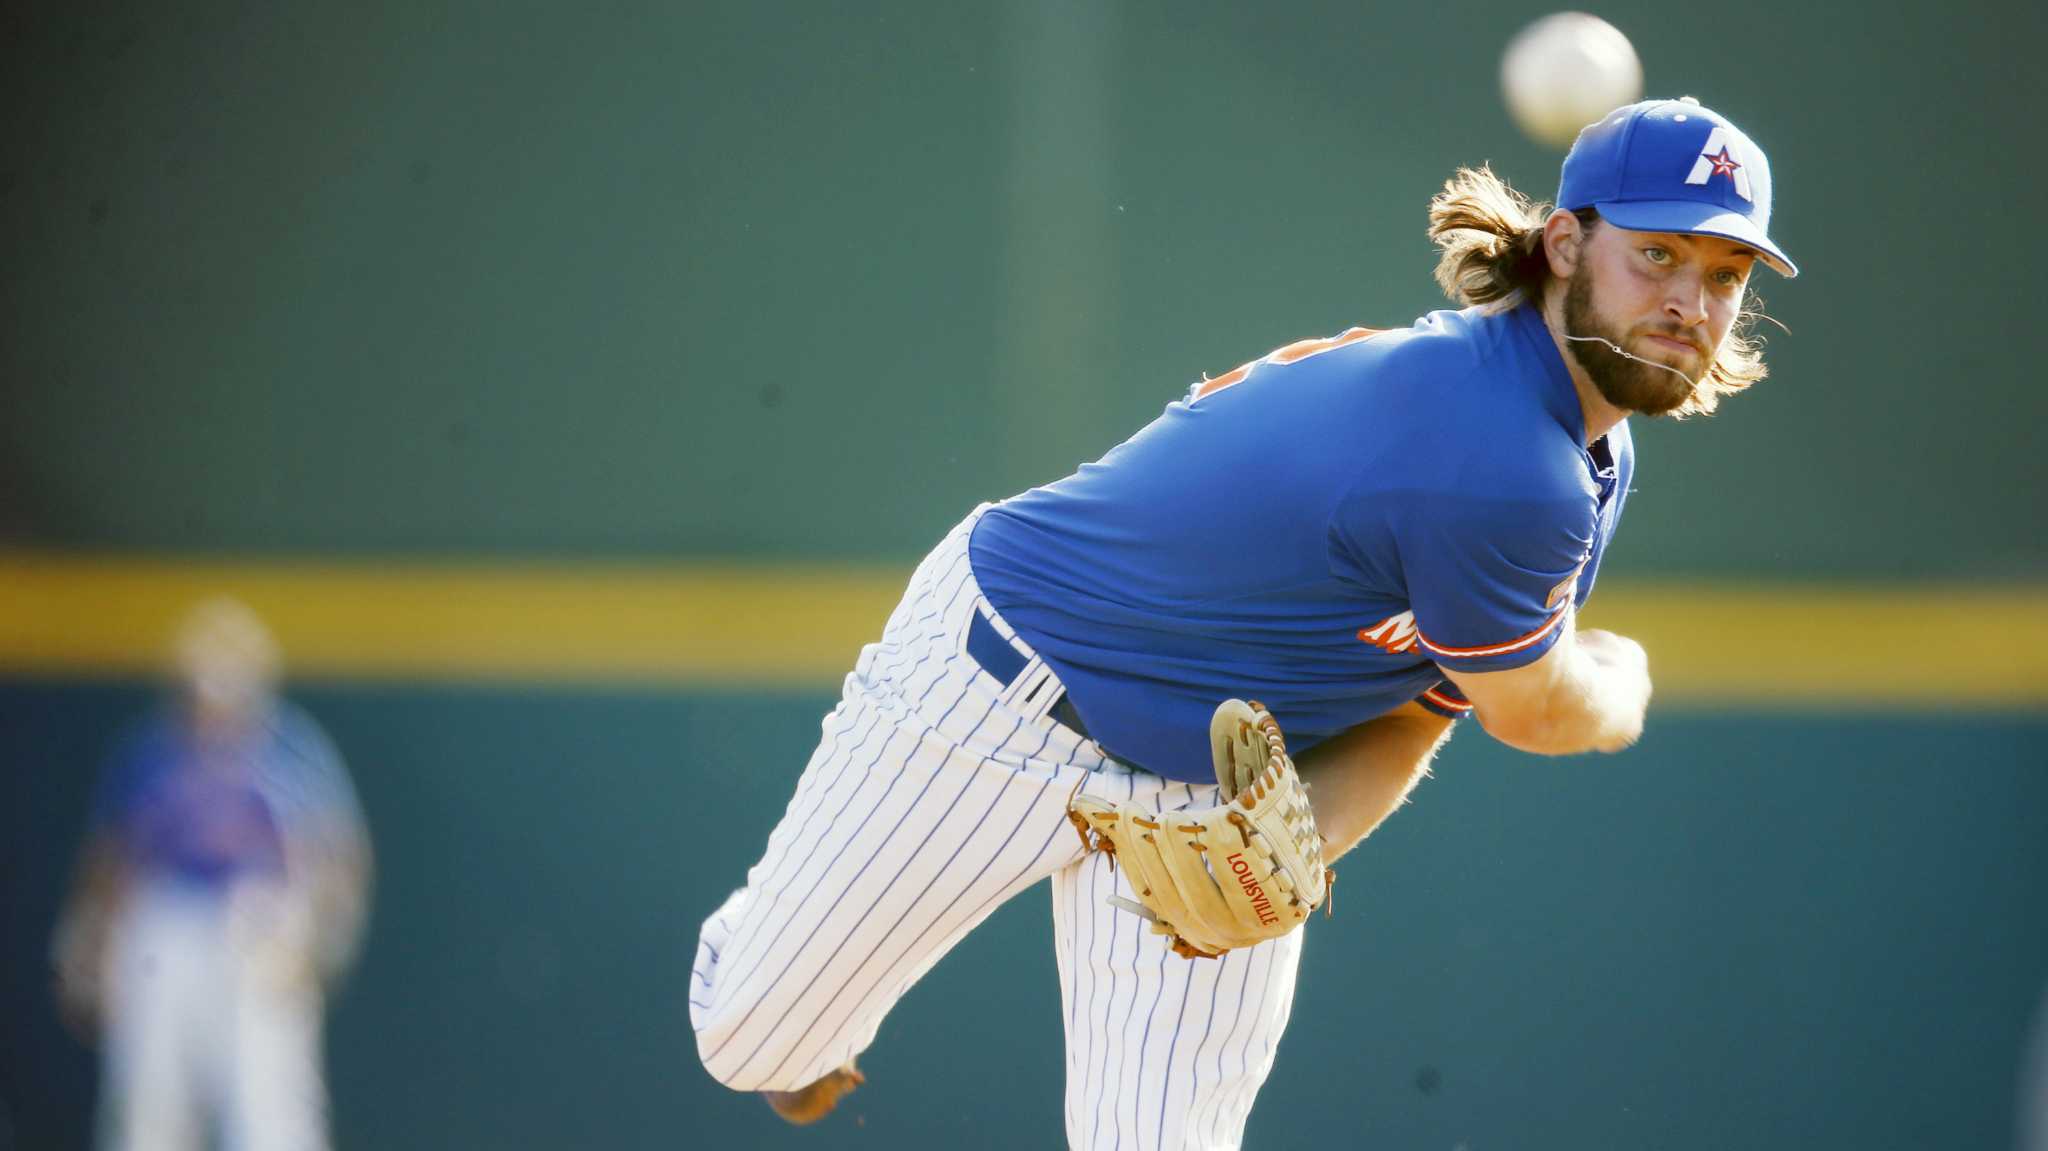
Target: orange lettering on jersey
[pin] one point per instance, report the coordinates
(1293, 353)
(1225, 380)
(1300, 350)
(1395, 635)
(1566, 589)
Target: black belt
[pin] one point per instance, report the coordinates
(1063, 713)
(1001, 659)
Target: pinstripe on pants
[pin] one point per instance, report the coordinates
(936, 793)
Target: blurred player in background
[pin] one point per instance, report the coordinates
(1372, 533)
(224, 885)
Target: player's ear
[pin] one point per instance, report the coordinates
(1564, 241)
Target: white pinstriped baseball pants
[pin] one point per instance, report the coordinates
(936, 793)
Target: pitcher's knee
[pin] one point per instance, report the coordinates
(725, 1065)
(752, 1063)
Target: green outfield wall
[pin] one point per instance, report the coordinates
(805, 279)
(1810, 932)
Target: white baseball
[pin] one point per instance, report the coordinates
(1565, 71)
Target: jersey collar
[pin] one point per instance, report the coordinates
(1559, 394)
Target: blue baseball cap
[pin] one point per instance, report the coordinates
(1674, 166)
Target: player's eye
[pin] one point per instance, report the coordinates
(1657, 255)
(1728, 278)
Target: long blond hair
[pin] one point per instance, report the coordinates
(1491, 238)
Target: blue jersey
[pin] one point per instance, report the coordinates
(204, 811)
(1322, 530)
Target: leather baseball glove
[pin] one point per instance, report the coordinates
(1223, 877)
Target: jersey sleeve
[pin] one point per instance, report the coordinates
(1445, 700)
(1491, 579)
(309, 784)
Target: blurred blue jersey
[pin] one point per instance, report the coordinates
(204, 811)
(1321, 530)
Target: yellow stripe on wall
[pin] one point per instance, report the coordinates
(1857, 647)
(744, 627)
(799, 628)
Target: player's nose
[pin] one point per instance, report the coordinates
(1686, 303)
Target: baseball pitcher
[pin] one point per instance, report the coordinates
(1185, 679)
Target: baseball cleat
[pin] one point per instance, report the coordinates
(813, 1102)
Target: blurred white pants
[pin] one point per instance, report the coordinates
(213, 1018)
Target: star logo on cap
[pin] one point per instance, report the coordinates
(1717, 158)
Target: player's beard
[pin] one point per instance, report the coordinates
(1627, 384)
